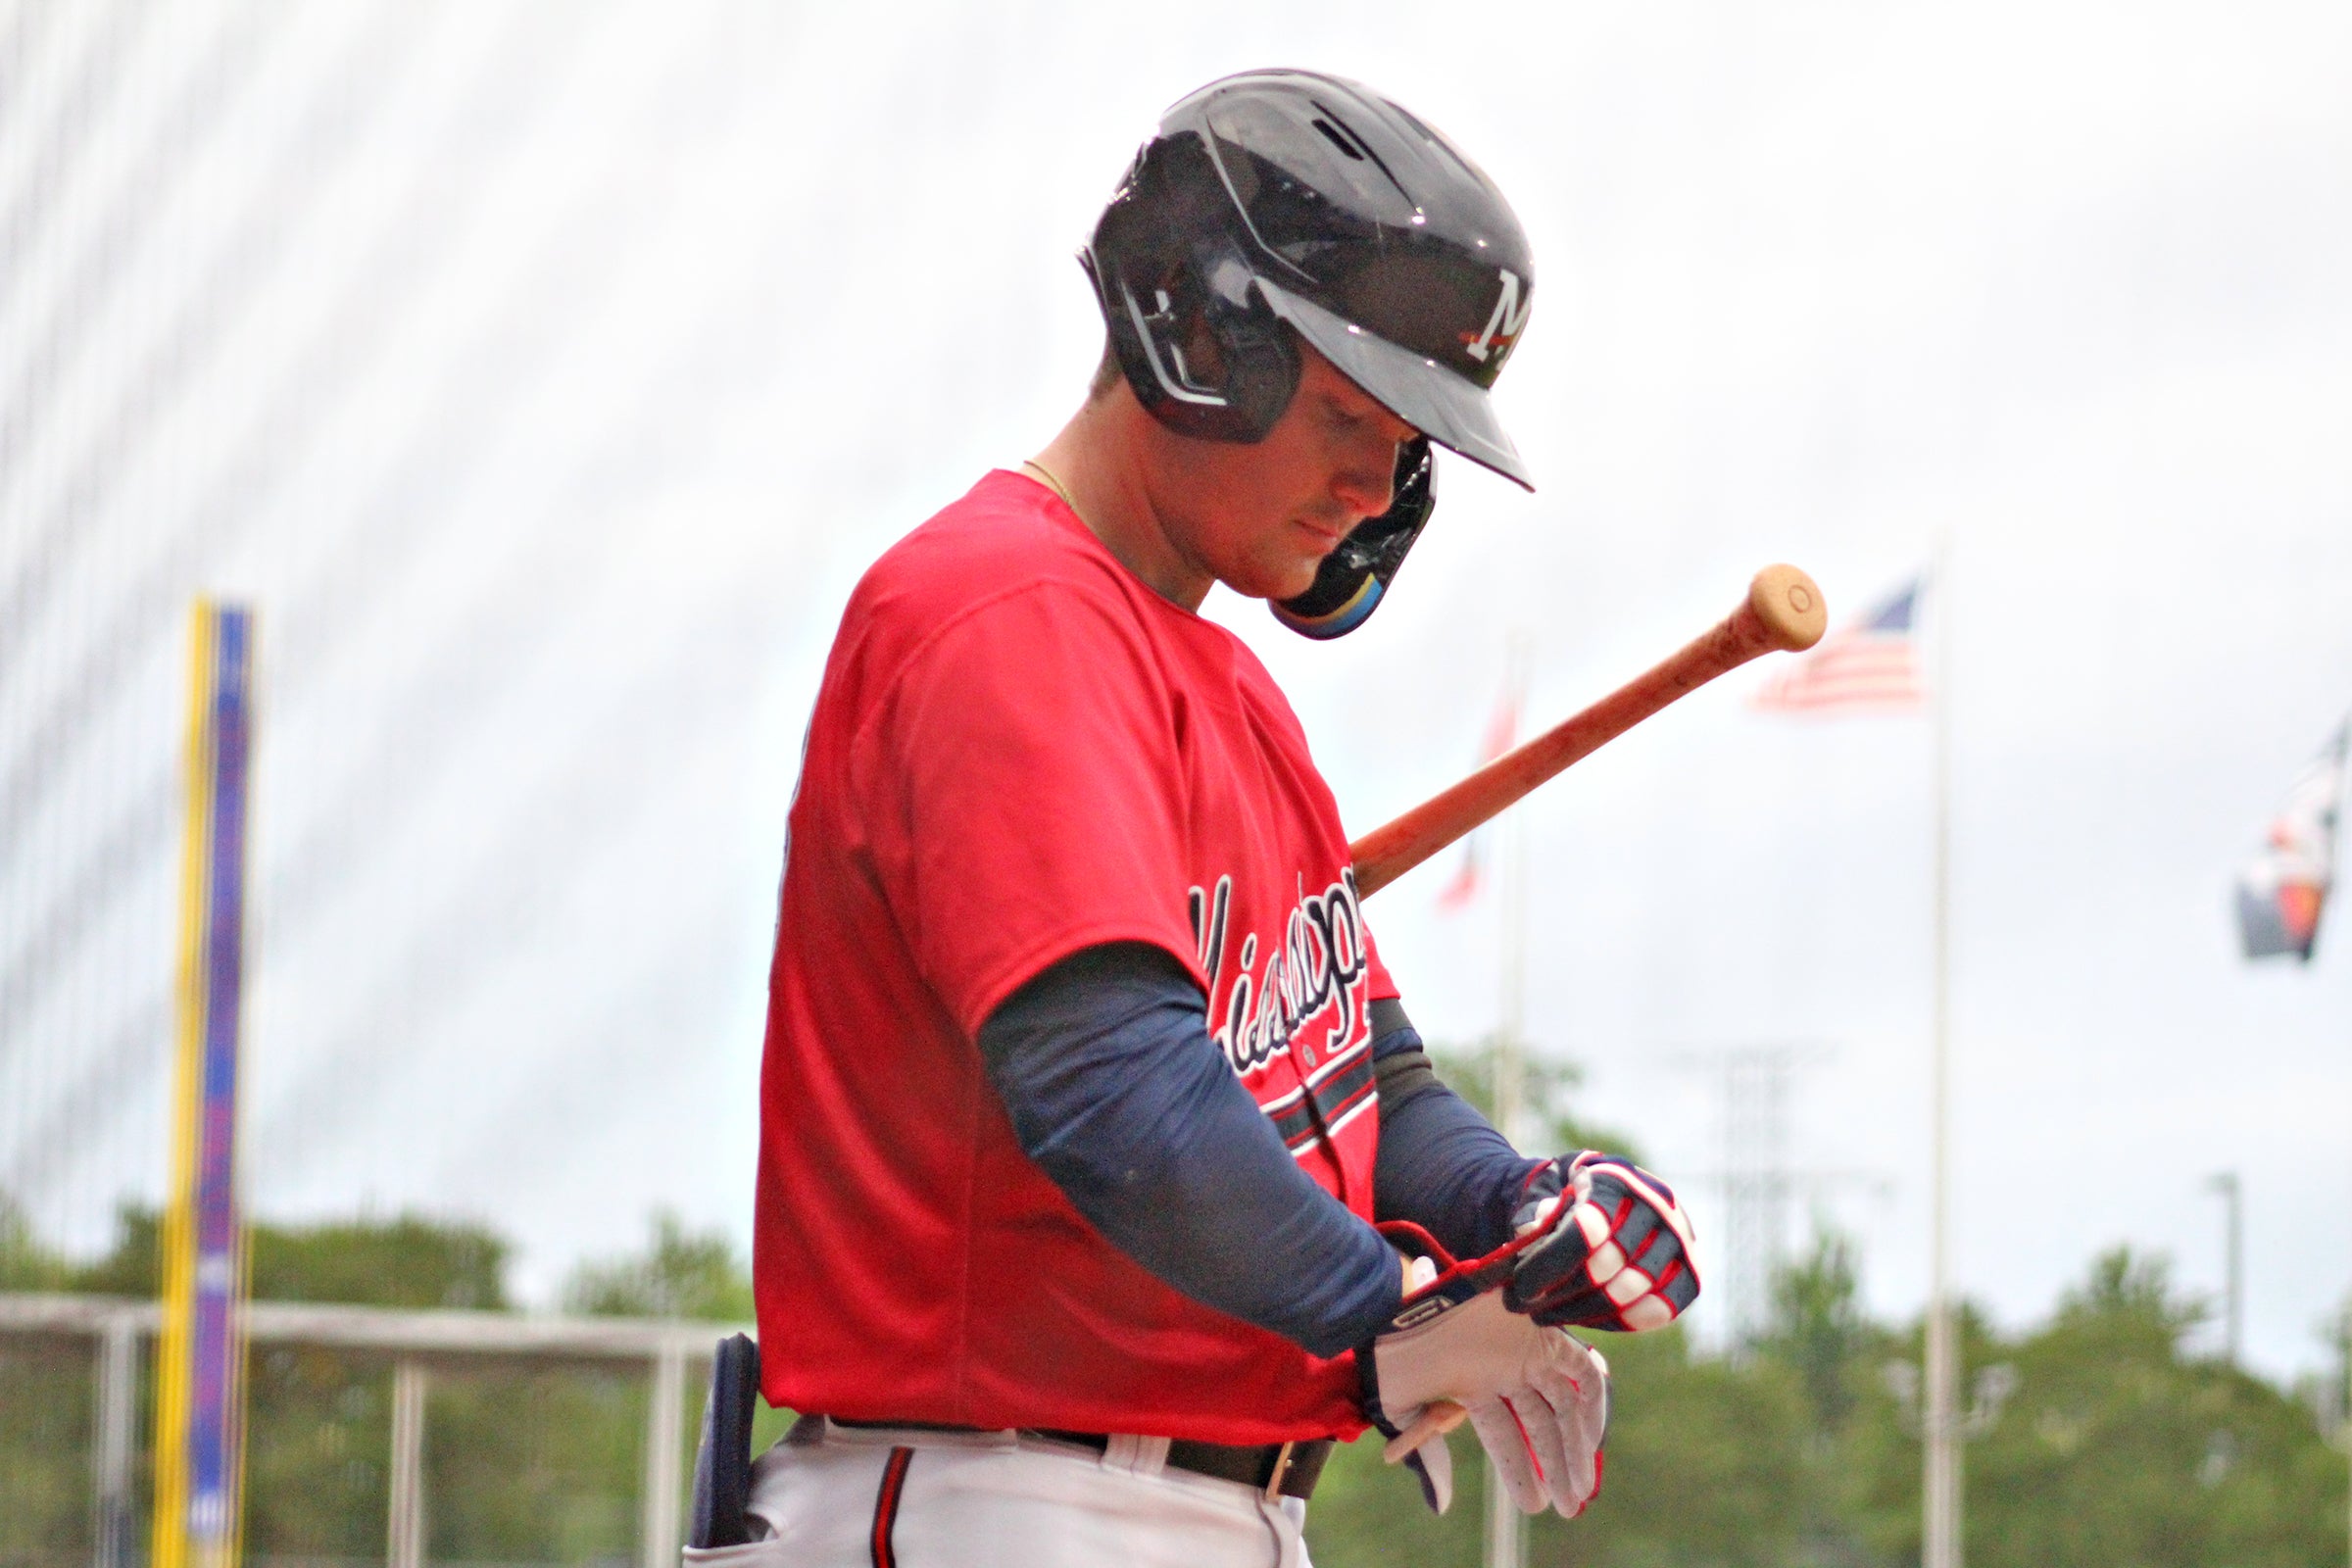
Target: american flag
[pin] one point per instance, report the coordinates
(1872, 664)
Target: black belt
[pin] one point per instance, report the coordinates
(1276, 1469)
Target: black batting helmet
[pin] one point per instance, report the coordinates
(1285, 201)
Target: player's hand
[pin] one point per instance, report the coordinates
(1514, 1437)
(1538, 1397)
(1603, 1244)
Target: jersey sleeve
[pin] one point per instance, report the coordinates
(1025, 793)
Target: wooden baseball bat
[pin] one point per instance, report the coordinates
(1783, 610)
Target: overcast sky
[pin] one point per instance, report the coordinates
(547, 374)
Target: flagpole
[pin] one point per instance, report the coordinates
(1510, 1072)
(1877, 663)
(1940, 1484)
(1506, 1545)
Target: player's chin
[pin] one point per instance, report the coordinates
(1292, 571)
(1285, 578)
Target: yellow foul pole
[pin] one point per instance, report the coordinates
(200, 1381)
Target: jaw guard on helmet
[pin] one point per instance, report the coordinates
(1284, 204)
(1348, 585)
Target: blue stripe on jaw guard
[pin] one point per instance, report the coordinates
(1336, 622)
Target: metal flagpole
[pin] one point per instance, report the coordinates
(1941, 1483)
(1506, 1545)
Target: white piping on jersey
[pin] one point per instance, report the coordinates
(1325, 1141)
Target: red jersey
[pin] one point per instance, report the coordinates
(1019, 751)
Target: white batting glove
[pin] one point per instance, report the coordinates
(1538, 1397)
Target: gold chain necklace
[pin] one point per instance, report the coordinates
(1052, 483)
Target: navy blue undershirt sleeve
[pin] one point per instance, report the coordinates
(1118, 1091)
(1441, 1165)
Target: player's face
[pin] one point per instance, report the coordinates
(1261, 518)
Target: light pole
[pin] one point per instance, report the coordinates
(1988, 1391)
(1506, 1535)
(2234, 1301)
(1940, 1448)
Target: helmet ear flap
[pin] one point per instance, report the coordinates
(1200, 345)
(1262, 362)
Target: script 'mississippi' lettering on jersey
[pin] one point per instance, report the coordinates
(1319, 965)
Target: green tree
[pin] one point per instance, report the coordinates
(680, 1274)
(1367, 1514)
(1816, 1330)
(45, 1405)
(45, 1390)
(24, 1263)
(1705, 1463)
(406, 1260)
(1818, 1334)
(530, 1464)
(2121, 1448)
(1875, 1503)
(133, 1265)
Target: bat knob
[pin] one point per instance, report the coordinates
(1790, 607)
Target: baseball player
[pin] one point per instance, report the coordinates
(1104, 1182)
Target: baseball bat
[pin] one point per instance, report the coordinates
(1782, 611)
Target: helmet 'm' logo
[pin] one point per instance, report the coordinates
(1504, 325)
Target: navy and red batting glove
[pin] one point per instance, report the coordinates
(1602, 1245)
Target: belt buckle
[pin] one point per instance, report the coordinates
(1280, 1471)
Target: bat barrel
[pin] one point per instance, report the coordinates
(1787, 607)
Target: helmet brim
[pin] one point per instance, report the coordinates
(1454, 412)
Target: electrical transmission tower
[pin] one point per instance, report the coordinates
(1746, 1240)
(1755, 1180)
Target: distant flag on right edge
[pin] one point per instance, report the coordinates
(1502, 730)
(2279, 894)
(1873, 663)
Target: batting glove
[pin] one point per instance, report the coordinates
(1538, 1397)
(1602, 1245)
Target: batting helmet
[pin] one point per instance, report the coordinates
(1283, 201)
